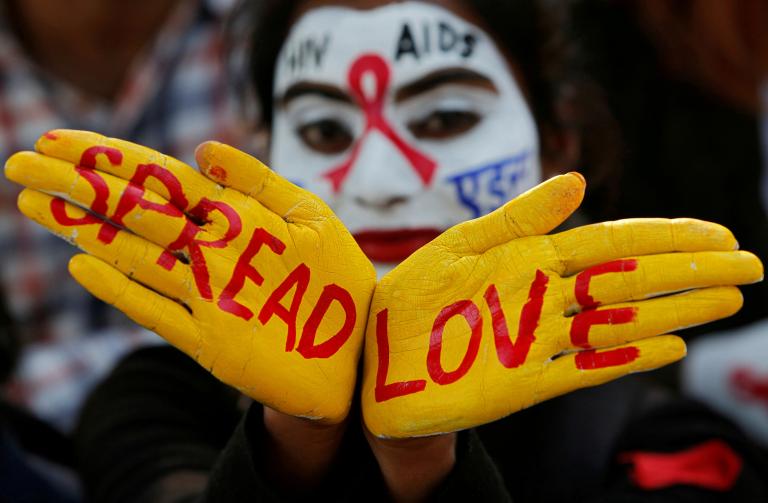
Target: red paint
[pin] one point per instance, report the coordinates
(133, 196)
(188, 239)
(218, 173)
(244, 269)
(373, 107)
(88, 157)
(592, 360)
(170, 182)
(393, 246)
(59, 212)
(471, 314)
(581, 288)
(130, 195)
(51, 135)
(711, 465)
(299, 277)
(386, 391)
(331, 293)
(98, 205)
(749, 386)
(167, 259)
(583, 321)
(510, 354)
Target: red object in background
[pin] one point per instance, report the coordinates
(710, 465)
(749, 386)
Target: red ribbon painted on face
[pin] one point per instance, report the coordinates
(373, 107)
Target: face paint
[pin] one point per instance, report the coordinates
(406, 119)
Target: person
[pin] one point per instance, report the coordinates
(159, 72)
(36, 461)
(257, 248)
(701, 70)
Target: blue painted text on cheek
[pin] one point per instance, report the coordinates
(484, 188)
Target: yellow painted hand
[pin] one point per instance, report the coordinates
(250, 275)
(494, 316)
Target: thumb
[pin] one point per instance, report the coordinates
(532, 213)
(237, 170)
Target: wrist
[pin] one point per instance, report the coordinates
(414, 467)
(299, 451)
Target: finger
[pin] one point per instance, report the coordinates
(160, 173)
(235, 169)
(142, 211)
(131, 255)
(594, 367)
(147, 308)
(532, 213)
(651, 275)
(597, 243)
(622, 323)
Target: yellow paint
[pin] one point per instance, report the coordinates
(504, 254)
(507, 248)
(246, 354)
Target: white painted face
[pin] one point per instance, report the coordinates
(405, 119)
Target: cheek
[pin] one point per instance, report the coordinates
(493, 163)
(293, 161)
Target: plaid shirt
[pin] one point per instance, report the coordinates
(178, 94)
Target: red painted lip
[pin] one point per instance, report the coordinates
(394, 246)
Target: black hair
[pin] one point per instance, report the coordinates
(534, 33)
(515, 24)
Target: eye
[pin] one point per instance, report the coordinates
(443, 124)
(327, 136)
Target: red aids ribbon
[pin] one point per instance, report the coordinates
(373, 107)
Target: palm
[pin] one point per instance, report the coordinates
(483, 321)
(257, 280)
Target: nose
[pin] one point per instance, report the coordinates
(381, 179)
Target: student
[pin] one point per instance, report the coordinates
(160, 67)
(407, 118)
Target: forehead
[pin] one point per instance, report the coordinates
(413, 37)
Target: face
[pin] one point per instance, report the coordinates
(405, 118)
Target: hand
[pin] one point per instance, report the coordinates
(494, 316)
(250, 275)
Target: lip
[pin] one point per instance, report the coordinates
(395, 245)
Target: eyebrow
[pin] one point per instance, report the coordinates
(442, 77)
(308, 88)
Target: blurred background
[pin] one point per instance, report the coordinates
(684, 133)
